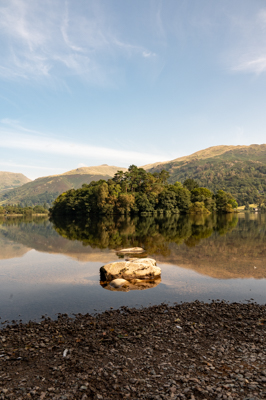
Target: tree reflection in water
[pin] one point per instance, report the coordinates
(154, 234)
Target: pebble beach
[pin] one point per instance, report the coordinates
(185, 351)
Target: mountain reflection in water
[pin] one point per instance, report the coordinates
(221, 246)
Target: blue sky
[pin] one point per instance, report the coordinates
(127, 82)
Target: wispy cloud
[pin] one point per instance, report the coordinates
(54, 38)
(255, 65)
(72, 149)
(65, 34)
(12, 123)
(249, 52)
(148, 54)
(18, 139)
(159, 21)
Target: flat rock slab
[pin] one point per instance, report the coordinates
(131, 250)
(142, 268)
(122, 285)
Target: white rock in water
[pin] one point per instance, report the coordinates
(131, 250)
(142, 268)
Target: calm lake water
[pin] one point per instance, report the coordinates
(49, 269)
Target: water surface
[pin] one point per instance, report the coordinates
(49, 269)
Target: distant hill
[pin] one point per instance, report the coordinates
(46, 189)
(104, 169)
(10, 180)
(240, 170)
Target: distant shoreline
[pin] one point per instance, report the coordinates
(23, 215)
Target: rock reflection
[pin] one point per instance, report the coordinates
(122, 285)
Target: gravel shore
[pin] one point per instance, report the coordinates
(186, 351)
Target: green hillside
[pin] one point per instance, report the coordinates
(10, 180)
(46, 189)
(240, 170)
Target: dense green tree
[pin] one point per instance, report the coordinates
(190, 184)
(198, 207)
(167, 200)
(204, 196)
(225, 202)
(164, 176)
(183, 197)
(125, 203)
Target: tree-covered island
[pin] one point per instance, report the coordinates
(139, 192)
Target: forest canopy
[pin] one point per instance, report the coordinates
(139, 192)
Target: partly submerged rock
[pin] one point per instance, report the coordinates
(122, 285)
(131, 250)
(118, 283)
(142, 268)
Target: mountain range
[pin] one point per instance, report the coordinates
(46, 189)
(240, 170)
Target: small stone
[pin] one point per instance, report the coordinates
(131, 250)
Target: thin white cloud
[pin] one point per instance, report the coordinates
(64, 31)
(8, 121)
(130, 48)
(249, 51)
(148, 54)
(256, 66)
(16, 124)
(51, 40)
(159, 21)
(43, 144)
